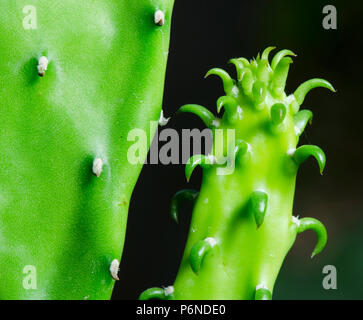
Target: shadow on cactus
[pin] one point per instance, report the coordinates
(242, 225)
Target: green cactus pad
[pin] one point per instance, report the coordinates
(76, 77)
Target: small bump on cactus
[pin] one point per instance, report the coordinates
(181, 196)
(198, 160)
(97, 167)
(158, 293)
(203, 113)
(302, 153)
(114, 269)
(263, 293)
(42, 66)
(258, 202)
(159, 18)
(321, 234)
(199, 251)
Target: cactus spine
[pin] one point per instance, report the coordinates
(242, 225)
(75, 78)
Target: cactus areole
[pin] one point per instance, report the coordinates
(242, 225)
(75, 77)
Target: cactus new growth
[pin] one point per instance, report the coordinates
(242, 225)
(75, 78)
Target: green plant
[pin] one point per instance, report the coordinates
(76, 77)
(242, 225)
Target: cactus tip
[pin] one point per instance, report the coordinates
(226, 101)
(301, 119)
(304, 152)
(198, 160)
(278, 113)
(267, 52)
(198, 252)
(304, 88)
(259, 92)
(240, 65)
(182, 195)
(319, 229)
(281, 55)
(228, 82)
(203, 113)
(258, 203)
(280, 75)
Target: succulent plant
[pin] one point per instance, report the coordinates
(75, 78)
(243, 225)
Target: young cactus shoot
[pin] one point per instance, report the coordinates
(75, 78)
(243, 225)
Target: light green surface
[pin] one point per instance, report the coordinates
(107, 62)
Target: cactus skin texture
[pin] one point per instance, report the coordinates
(65, 181)
(242, 225)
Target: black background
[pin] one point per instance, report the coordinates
(207, 34)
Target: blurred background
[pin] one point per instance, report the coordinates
(207, 34)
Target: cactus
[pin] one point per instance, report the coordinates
(75, 78)
(242, 225)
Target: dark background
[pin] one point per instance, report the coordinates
(207, 34)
